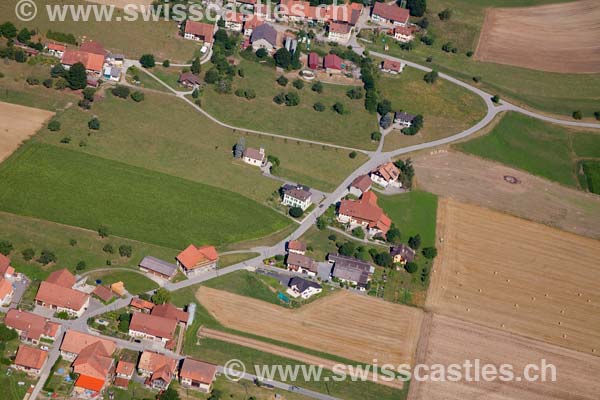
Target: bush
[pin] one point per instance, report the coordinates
(61, 84)
(416, 126)
(577, 115)
(85, 104)
(125, 250)
(47, 257)
(94, 124)
(430, 252)
(103, 231)
(428, 40)
(147, 61)
(262, 53)
(296, 212)
(279, 98)
(321, 223)
(318, 106)
(32, 81)
(597, 115)
(28, 254)
(416, 7)
(496, 99)
(292, 99)
(376, 136)
(120, 91)
(282, 80)
(7, 334)
(66, 140)
(124, 320)
(470, 53)
(352, 154)
(137, 96)
(108, 248)
(73, 242)
(54, 126)
(415, 242)
(81, 265)
(431, 77)
(339, 108)
(317, 87)
(358, 232)
(332, 237)
(476, 79)
(161, 296)
(5, 247)
(166, 63)
(411, 267)
(384, 259)
(89, 93)
(445, 14)
(355, 93)
(298, 84)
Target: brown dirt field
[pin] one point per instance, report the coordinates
(352, 326)
(17, 123)
(449, 341)
(283, 352)
(515, 275)
(554, 38)
(473, 180)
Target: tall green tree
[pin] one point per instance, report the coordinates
(77, 77)
(196, 66)
(416, 7)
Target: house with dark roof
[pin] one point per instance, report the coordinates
(158, 267)
(403, 120)
(296, 196)
(301, 263)
(189, 80)
(195, 260)
(386, 174)
(197, 375)
(352, 270)
(402, 254)
(300, 287)
(390, 14)
(264, 37)
(360, 185)
(365, 213)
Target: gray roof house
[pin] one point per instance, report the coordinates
(158, 267)
(301, 263)
(302, 285)
(351, 269)
(264, 36)
(296, 196)
(402, 118)
(402, 254)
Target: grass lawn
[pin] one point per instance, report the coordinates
(230, 259)
(184, 143)
(319, 245)
(134, 391)
(170, 76)
(15, 89)
(551, 92)
(591, 171)
(446, 108)
(550, 151)
(77, 189)
(25, 232)
(130, 38)
(134, 283)
(145, 80)
(249, 284)
(353, 129)
(413, 213)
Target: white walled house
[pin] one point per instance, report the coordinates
(254, 157)
(297, 196)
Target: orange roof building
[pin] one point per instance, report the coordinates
(141, 305)
(30, 359)
(199, 31)
(103, 293)
(6, 270)
(194, 259)
(61, 298)
(75, 342)
(152, 327)
(365, 213)
(390, 13)
(386, 174)
(169, 311)
(31, 327)
(125, 369)
(91, 61)
(197, 374)
(6, 292)
(157, 368)
(62, 277)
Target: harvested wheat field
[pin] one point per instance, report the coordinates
(447, 341)
(17, 123)
(556, 38)
(355, 327)
(482, 182)
(511, 274)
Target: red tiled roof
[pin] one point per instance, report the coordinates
(234, 17)
(153, 325)
(392, 65)
(93, 47)
(332, 61)
(171, 312)
(388, 171)
(32, 325)
(403, 30)
(296, 245)
(90, 383)
(151, 361)
(198, 371)
(62, 277)
(338, 27)
(30, 357)
(93, 361)
(136, 302)
(5, 288)
(91, 61)
(104, 293)
(75, 342)
(313, 60)
(59, 296)
(125, 368)
(362, 182)
(253, 21)
(391, 12)
(193, 257)
(201, 29)
(366, 209)
(121, 382)
(4, 264)
(56, 47)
